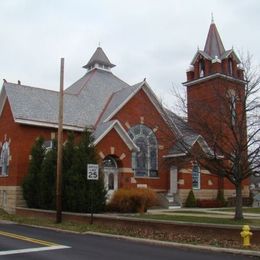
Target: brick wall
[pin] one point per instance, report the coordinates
(140, 110)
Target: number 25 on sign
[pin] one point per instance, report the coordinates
(92, 173)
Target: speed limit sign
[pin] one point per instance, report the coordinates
(92, 173)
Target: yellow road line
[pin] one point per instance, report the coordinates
(28, 239)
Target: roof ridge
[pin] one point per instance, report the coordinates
(120, 80)
(92, 72)
(27, 86)
(104, 109)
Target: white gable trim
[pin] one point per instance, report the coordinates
(199, 52)
(174, 155)
(122, 133)
(47, 124)
(152, 97)
(190, 83)
(203, 144)
(123, 103)
(4, 98)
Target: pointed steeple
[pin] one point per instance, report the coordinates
(214, 46)
(99, 60)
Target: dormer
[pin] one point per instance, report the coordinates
(99, 60)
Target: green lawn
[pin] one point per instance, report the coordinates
(198, 219)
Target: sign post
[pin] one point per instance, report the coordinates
(92, 175)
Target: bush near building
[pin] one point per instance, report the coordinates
(132, 200)
(191, 201)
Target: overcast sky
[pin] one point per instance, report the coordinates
(144, 38)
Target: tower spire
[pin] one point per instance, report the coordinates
(214, 46)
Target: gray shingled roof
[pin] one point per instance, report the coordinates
(99, 57)
(117, 99)
(186, 136)
(95, 93)
(83, 101)
(102, 128)
(40, 105)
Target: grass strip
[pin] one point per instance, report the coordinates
(200, 219)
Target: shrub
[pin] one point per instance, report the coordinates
(31, 181)
(132, 200)
(191, 200)
(39, 185)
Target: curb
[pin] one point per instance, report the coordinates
(178, 245)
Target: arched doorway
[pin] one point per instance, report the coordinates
(110, 174)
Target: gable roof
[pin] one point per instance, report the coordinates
(186, 138)
(203, 53)
(39, 106)
(83, 101)
(117, 101)
(104, 128)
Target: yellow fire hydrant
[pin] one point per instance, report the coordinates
(245, 234)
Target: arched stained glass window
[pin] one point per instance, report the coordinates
(144, 162)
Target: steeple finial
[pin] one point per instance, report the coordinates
(212, 17)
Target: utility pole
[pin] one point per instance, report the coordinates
(60, 144)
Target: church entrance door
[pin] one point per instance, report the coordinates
(110, 174)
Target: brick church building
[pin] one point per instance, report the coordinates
(137, 139)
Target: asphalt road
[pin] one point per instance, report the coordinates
(22, 242)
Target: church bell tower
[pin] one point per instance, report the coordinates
(215, 85)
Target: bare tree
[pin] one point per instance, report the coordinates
(229, 122)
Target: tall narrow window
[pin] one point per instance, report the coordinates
(230, 67)
(195, 176)
(202, 67)
(233, 109)
(144, 162)
(232, 106)
(5, 156)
